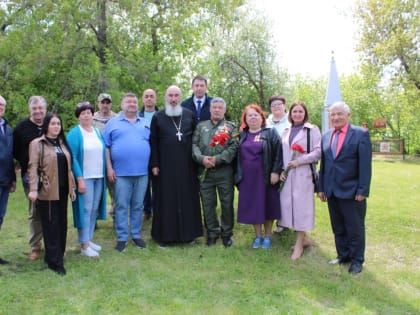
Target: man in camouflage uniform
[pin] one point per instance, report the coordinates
(214, 149)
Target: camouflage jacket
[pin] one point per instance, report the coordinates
(220, 140)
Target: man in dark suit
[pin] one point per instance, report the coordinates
(344, 181)
(199, 102)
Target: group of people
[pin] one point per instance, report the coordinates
(161, 163)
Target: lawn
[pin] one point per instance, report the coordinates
(194, 279)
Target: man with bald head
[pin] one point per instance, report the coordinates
(177, 216)
(149, 100)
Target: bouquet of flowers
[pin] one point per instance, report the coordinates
(221, 138)
(296, 150)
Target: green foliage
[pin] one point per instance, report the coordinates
(312, 93)
(241, 63)
(363, 97)
(389, 49)
(70, 51)
(389, 37)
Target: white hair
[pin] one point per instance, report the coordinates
(173, 111)
(174, 87)
(36, 99)
(3, 99)
(340, 105)
(218, 100)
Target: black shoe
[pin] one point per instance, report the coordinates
(139, 243)
(211, 241)
(338, 260)
(58, 270)
(121, 246)
(355, 268)
(3, 262)
(162, 245)
(227, 241)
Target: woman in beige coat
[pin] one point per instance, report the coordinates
(51, 181)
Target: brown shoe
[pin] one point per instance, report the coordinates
(35, 254)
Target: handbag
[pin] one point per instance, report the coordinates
(40, 166)
(315, 175)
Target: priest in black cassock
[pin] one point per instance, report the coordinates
(177, 217)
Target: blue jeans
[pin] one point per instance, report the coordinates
(129, 194)
(4, 196)
(92, 199)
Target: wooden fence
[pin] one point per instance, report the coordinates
(388, 148)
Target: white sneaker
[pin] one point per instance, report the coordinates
(278, 229)
(89, 252)
(94, 246)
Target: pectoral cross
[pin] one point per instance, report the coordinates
(179, 135)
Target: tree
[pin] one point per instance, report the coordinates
(241, 62)
(69, 51)
(312, 93)
(389, 49)
(389, 38)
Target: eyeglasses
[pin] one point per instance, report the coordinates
(276, 104)
(105, 101)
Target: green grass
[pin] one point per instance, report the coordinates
(194, 279)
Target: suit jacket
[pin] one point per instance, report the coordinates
(205, 108)
(350, 172)
(7, 169)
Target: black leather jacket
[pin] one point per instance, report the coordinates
(272, 154)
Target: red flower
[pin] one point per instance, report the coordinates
(221, 138)
(296, 149)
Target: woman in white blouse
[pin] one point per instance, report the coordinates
(88, 151)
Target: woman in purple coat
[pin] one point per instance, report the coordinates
(297, 196)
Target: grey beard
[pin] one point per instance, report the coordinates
(173, 111)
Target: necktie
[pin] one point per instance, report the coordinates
(335, 142)
(198, 109)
